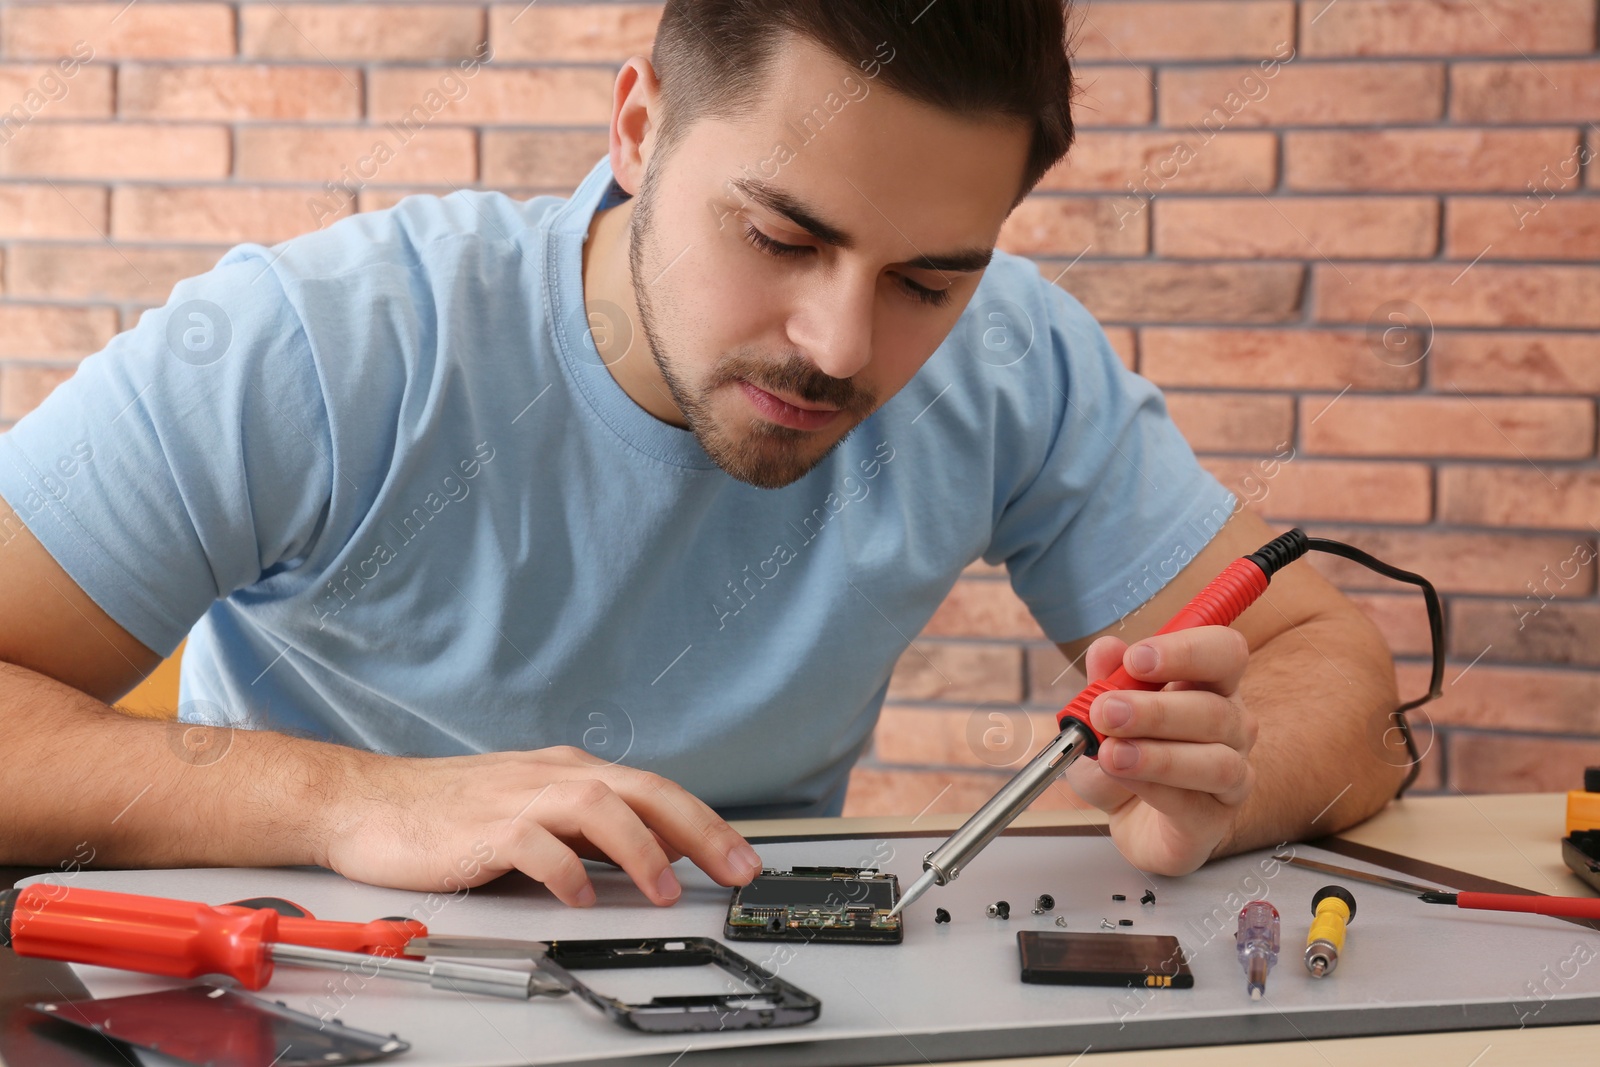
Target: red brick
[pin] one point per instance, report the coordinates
(1122, 339)
(983, 609)
(24, 387)
(45, 210)
(1529, 630)
(357, 155)
(555, 96)
(1445, 426)
(1177, 292)
(575, 33)
(1297, 227)
(1444, 27)
(1303, 94)
(217, 214)
(1545, 498)
(1422, 160)
(1517, 362)
(1493, 763)
(1058, 225)
(1117, 95)
(1233, 422)
(1147, 164)
(1462, 295)
(887, 791)
(542, 159)
(1269, 359)
(957, 673)
(120, 150)
(235, 93)
(1489, 564)
(1190, 29)
(1402, 618)
(119, 30)
(100, 272)
(1484, 696)
(47, 331)
(360, 31)
(1559, 229)
(87, 95)
(1328, 490)
(995, 735)
(1549, 90)
(1052, 681)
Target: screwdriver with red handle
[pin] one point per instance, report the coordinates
(187, 939)
(1218, 604)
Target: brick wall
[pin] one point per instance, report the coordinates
(1363, 230)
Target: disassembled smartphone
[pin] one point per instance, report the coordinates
(770, 1002)
(817, 904)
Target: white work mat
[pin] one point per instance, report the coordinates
(950, 990)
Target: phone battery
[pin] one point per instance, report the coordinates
(1147, 960)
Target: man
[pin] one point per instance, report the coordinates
(520, 532)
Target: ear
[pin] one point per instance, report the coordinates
(635, 100)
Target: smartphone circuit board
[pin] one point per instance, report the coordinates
(817, 904)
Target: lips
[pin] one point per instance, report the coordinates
(785, 413)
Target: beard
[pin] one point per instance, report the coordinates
(759, 453)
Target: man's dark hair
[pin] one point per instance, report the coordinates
(970, 57)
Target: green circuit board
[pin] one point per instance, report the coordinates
(817, 904)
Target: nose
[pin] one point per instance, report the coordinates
(833, 324)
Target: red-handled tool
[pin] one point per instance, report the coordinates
(1558, 907)
(1218, 604)
(187, 939)
(1222, 600)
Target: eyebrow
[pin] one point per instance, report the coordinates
(962, 261)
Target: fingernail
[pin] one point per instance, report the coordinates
(743, 858)
(667, 885)
(1144, 659)
(586, 896)
(1124, 754)
(1115, 712)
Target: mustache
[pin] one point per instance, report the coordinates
(796, 376)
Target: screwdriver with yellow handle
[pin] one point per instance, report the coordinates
(1218, 604)
(1332, 909)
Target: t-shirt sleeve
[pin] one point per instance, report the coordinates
(1120, 503)
(191, 457)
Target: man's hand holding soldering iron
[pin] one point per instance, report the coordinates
(1174, 769)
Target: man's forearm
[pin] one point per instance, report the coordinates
(81, 778)
(1324, 758)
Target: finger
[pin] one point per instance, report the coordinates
(590, 807)
(1103, 657)
(687, 824)
(1096, 787)
(537, 853)
(587, 849)
(1212, 656)
(1197, 715)
(1216, 769)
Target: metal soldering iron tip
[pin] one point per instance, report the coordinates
(919, 887)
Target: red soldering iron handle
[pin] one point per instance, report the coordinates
(1218, 604)
(153, 935)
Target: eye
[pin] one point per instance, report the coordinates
(771, 247)
(932, 297)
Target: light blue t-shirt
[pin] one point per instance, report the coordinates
(381, 478)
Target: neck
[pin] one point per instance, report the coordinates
(607, 284)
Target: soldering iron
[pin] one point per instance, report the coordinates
(1218, 604)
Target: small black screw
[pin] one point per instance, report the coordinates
(1000, 909)
(1149, 897)
(940, 915)
(1118, 896)
(1045, 903)
(1124, 922)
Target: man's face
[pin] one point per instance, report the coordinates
(788, 287)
